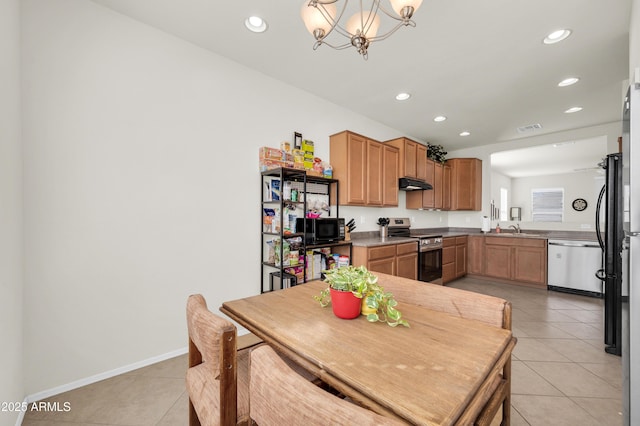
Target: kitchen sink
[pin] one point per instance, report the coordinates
(521, 234)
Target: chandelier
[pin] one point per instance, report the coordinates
(321, 18)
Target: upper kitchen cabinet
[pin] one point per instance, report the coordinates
(424, 199)
(367, 170)
(413, 158)
(466, 183)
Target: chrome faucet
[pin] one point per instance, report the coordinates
(516, 228)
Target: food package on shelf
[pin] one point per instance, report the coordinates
(307, 147)
(273, 158)
(267, 153)
(297, 271)
(285, 252)
(308, 154)
(298, 159)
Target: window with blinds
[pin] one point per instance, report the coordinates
(547, 204)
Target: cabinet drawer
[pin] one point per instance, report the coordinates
(406, 248)
(461, 240)
(448, 255)
(448, 241)
(516, 241)
(382, 252)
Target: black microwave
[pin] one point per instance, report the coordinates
(321, 230)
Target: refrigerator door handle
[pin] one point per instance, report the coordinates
(598, 206)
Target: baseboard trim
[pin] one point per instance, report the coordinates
(102, 376)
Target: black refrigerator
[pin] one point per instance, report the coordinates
(610, 207)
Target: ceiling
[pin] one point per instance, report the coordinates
(482, 64)
(552, 159)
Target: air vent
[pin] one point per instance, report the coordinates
(529, 128)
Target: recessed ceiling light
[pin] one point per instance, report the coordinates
(256, 24)
(573, 109)
(439, 118)
(556, 36)
(568, 81)
(465, 133)
(403, 96)
(558, 145)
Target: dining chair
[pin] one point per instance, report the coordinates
(218, 374)
(279, 396)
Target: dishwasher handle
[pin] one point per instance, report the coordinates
(574, 245)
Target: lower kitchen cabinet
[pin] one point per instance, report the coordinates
(475, 254)
(454, 258)
(393, 259)
(461, 256)
(407, 260)
(518, 260)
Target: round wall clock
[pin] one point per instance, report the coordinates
(579, 204)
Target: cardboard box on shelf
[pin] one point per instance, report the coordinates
(270, 153)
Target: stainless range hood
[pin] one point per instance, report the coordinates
(409, 184)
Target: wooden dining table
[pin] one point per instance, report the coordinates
(439, 371)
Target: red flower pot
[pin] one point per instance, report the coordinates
(345, 305)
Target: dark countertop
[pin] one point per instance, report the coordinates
(372, 239)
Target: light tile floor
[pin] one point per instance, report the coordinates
(561, 374)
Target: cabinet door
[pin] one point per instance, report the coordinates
(390, 171)
(498, 259)
(407, 266)
(356, 169)
(475, 254)
(466, 183)
(461, 260)
(446, 187)
(428, 198)
(437, 185)
(530, 265)
(385, 266)
(448, 272)
(410, 148)
(421, 161)
(374, 174)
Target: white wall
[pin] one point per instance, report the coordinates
(498, 181)
(142, 184)
(11, 379)
(465, 219)
(584, 184)
(634, 38)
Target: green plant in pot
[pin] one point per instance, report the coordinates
(359, 287)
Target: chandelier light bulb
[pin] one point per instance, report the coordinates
(356, 23)
(315, 21)
(399, 7)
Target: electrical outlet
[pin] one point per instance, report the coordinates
(467, 219)
(413, 219)
(440, 218)
(585, 226)
(362, 220)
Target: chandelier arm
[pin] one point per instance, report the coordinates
(333, 22)
(389, 33)
(386, 12)
(366, 25)
(339, 47)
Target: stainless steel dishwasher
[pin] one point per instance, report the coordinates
(572, 266)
